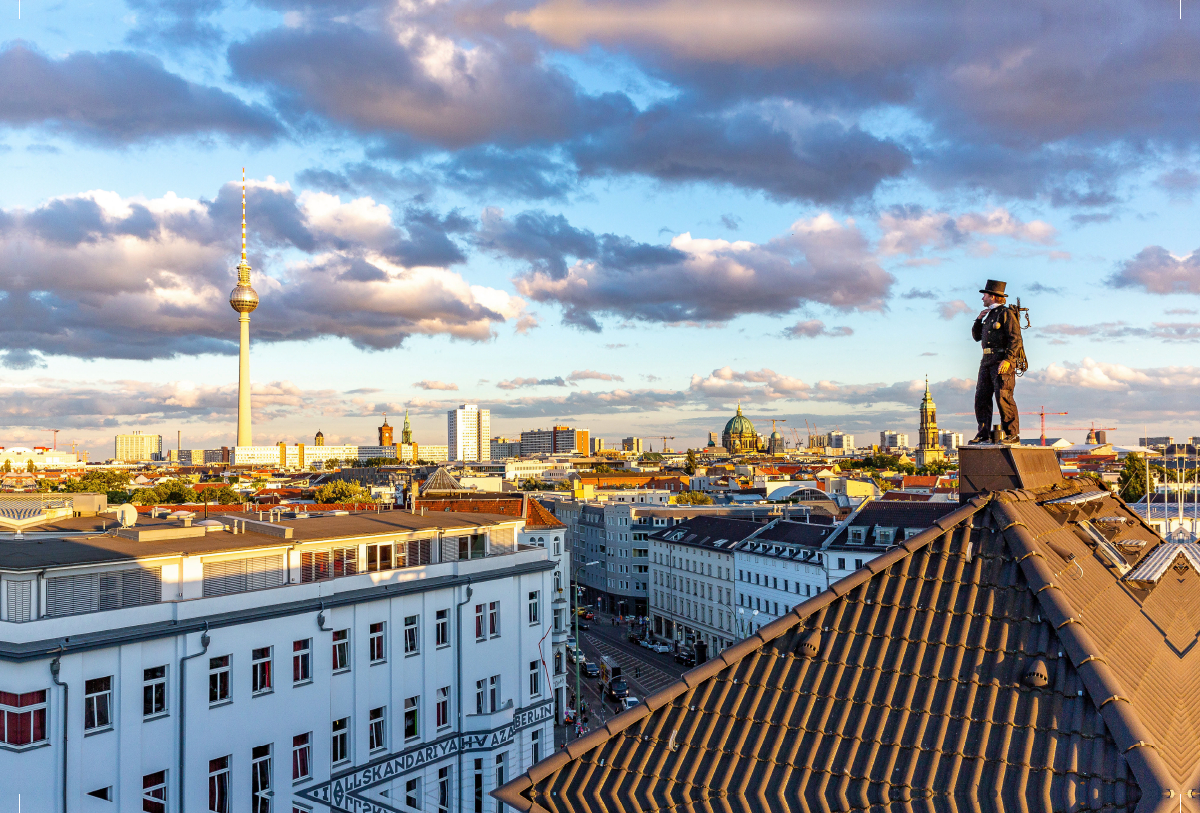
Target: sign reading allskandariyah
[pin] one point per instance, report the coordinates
(344, 791)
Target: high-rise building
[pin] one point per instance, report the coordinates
(930, 448)
(469, 432)
(889, 439)
(839, 440)
(243, 299)
(597, 445)
(950, 440)
(385, 433)
(632, 445)
(556, 440)
(136, 447)
(503, 448)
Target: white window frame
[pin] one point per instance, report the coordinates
(302, 755)
(442, 707)
(158, 689)
(98, 705)
(155, 793)
(377, 729)
(377, 642)
(412, 635)
(341, 651)
(220, 799)
(412, 713)
(302, 658)
(218, 675)
(261, 792)
(339, 741)
(535, 603)
(262, 678)
(441, 628)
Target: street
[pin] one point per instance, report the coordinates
(646, 672)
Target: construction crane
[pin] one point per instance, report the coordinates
(664, 439)
(1041, 413)
(55, 443)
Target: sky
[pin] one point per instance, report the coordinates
(627, 217)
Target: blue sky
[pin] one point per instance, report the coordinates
(622, 216)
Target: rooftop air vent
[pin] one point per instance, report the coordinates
(810, 644)
(1037, 674)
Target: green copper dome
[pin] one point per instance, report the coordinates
(739, 424)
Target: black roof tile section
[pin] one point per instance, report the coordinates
(790, 532)
(708, 531)
(997, 661)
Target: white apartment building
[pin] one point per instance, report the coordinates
(555, 440)
(469, 432)
(839, 440)
(691, 581)
(502, 448)
(19, 458)
(297, 457)
(366, 662)
(950, 441)
(136, 447)
(893, 440)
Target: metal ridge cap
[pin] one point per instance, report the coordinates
(511, 792)
(1122, 719)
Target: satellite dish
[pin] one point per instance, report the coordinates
(127, 515)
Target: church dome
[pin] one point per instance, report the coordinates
(739, 424)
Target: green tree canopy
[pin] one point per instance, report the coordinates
(692, 498)
(224, 495)
(341, 491)
(168, 492)
(1131, 484)
(692, 465)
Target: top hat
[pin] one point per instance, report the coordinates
(994, 287)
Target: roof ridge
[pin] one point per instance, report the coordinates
(1111, 699)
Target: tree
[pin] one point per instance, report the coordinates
(692, 498)
(30, 467)
(603, 468)
(341, 491)
(7, 466)
(692, 465)
(223, 495)
(1131, 484)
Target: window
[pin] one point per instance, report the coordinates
(479, 786)
(218, 679)
(443, 707)
(443, 796)
(341, 650)
(377, 722)
(97, 703)
(301, 757)
(412, 793)
(412, 707)
(494, 619)
(154, 691)
(261, 679)
(218, 785)
(441, 628)
(558, 620)
(858, 563)
(412, 634)
(535, 741)
(377, 643)
(841, 563)
(494, 692)
(302, 661)
(260, 779)
(535, 678)
(316, 565)
(24, 717)
(339, 750)
(480, 629)
(558, 663)
(501, 762)
(379, 557)
(472, 547)
(154, 792)
(534, 604)
(480, 696)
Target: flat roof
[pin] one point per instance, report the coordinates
(83, 540)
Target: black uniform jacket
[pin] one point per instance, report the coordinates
(999, 332)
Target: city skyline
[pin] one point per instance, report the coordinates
(505, 227)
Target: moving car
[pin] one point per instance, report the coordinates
(574, 654)
(617, 688)
(591, 669)
(686, 656)
(660, 647)
(626, 703)
(582, 626)
(634, 638)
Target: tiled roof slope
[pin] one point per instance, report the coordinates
(992, 662)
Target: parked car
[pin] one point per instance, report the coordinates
(617, 688)
(686, 656)
(645, 642)
(660, 647)
(634, 638)
(582, 626)
(591, 669)
(626, 703)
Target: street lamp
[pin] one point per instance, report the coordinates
(742, 621)
(578, 680)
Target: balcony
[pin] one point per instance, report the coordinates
(489, 721)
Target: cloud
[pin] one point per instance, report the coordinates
(175, 23)
(815, 327)
(518, 383)
(731, 222)
(912, 229)
(97, 275)
(1180, 184)
(1157, 271)
(1180, 311)
(1160, 331)
(415, 87)
(426, 384)
(119, 97)
(693, 280)
(917, 293)
(1039, 288)
(953, 308)
(592, 375)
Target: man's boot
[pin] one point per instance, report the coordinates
(1011, 440)
(979, 438)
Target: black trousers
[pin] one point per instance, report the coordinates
(993, 383)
